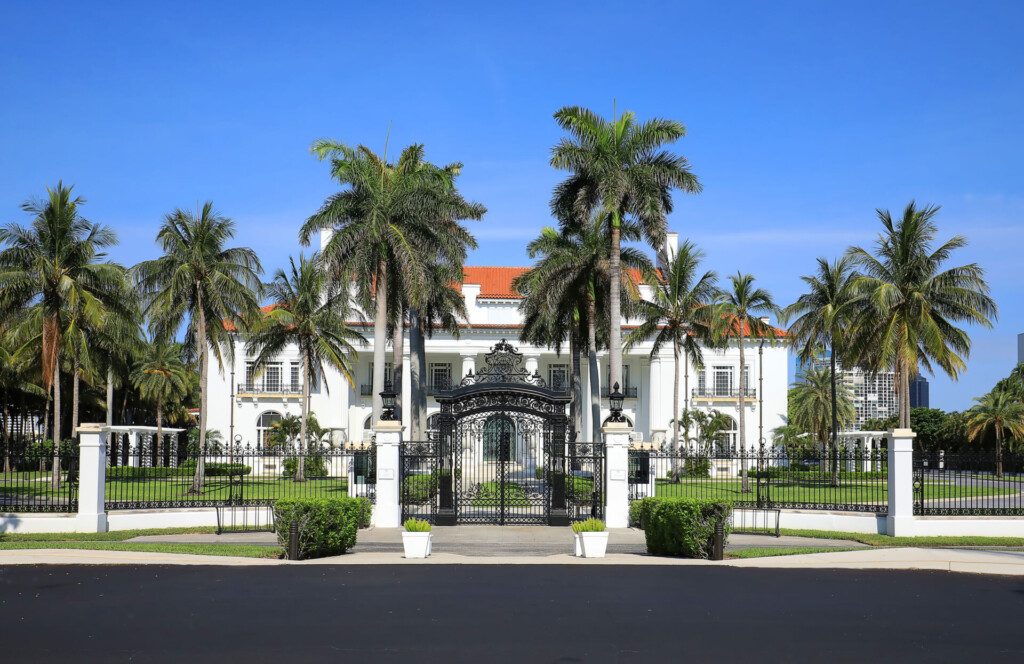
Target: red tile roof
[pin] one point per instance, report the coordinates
(495, 282)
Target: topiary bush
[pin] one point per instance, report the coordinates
(680, 526)
(327, 526)
(315, 467)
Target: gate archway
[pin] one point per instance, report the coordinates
(502, 450)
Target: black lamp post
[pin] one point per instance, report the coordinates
(615, 399)
(388, 398)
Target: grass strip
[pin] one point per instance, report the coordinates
(768, 551)
(239, 550)
(114, 536)
(926, 541)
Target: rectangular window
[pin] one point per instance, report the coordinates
(272, 378)
(440, 375)
(387, 373)
(558, 376)
(296, 377)
(746, 377)
(723, 381)
(250, 377)
(625, 378)
(702, 382)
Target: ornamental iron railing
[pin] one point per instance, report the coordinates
(767, 478)
(974, 482)
(28, 482)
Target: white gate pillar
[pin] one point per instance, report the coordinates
(616, 441)
(900, 520)
(92, 476)
(387, 511)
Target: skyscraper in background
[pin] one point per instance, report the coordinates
(919, 392)
(874, 393)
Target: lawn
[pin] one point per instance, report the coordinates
(944, 541)
(115, 541)
(811, 490)
(154, 489)
(768, 551)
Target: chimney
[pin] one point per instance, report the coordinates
(671, 245)
(765, 320)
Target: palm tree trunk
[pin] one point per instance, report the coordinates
(417, 416)
(743, 407)
(197, 480)
(595, 384)
(380, 337)
(398, 361)
(576, 405)
(159, 432)
(300, 466)
(675, 409)
(74, 397)
(835, 420)
(55, 479)
(614, 307)
(686, 400)
(110, 395)
(903, 398)
(999, 451)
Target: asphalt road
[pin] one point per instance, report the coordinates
(504, 614)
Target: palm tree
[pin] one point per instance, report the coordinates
(822, 316)
(160, 376)
(567, 289)
(15, 380)
(307, 313)
(817, 405)
(439, 306)
(56, 265)
(199, 283)
(913, 302)
(738, 315)
(283, 433)
(679, 314)
(390, 221)
(1002, 411)
(621, 169)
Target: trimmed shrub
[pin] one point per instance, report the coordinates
(215, 468)
(419, 489)
(698, 467)
(314, 467)
(327, 526)
(681, 526)
(490, 494)
(365, 511)
(581, 489)
(636, 509)
(134, 472)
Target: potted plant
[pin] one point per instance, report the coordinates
(416, 539)
(591, 538)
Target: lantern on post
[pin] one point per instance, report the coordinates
(388, 399)
(615, 399)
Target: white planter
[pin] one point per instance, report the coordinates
(416, 545)
(579, 544)
(592, 545)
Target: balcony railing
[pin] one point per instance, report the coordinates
(269, 388)
(365, 390)
(630, 392)
(440, 386)
(711, 393)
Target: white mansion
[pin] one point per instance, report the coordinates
(243, 405)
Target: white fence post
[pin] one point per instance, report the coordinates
(387, 512)
(616, 441)
(92, 476)
(900, 520)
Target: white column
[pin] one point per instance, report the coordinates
(133, 447)
(616, 441)
(655, 394)
(531, 363)
(407, 390)
(468, 364)
(92, 476)
(387, 512)
(900, 520)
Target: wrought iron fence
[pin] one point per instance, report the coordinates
(585, 481)
(422, 479)
(851, 479)
(238, 475)
(28, 482)
(968, 483)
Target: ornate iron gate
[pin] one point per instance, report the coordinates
(504, 454)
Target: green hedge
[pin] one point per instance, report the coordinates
(419, 489)
(186, 469)
(314, 467)
(782, 472)
(327, 526)
(215, 468)
(679, 526)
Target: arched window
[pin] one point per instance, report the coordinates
(499, 438)
(728, 437)
(263, 424)
(368, 422)
(434, 427)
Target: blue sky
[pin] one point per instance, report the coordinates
(802, 118)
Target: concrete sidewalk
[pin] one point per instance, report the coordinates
(952, 560)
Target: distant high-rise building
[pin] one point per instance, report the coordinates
(1020, 348)
(919, 392)
(874, 393)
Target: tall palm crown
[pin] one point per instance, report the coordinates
(679, 314)
(1000, 411)
(389, 221)
(620, 168)
(811, 404)
(821, 317)
(913, 302)
(201, 284)
(56, 265)
(161, 377)
(310, 314)
(738, 315)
